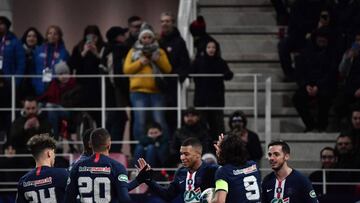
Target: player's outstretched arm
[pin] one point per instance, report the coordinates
(167, 193)
(144, 174)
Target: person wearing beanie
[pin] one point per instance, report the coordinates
(146, 57)
(12, 62)
(117, 89)
(175, 48)
(201, 37)
(238, 126)
(56, 96)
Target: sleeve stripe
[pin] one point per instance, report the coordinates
(221, 185)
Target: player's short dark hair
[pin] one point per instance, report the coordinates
(233, 151)
(133, 19)
(38, 143)
(154, 125)
(329, 149)
(284, 146)
(99, 139)
(192, 141)
(86, 136)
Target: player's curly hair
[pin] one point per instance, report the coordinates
(233, 151)
(38, 143)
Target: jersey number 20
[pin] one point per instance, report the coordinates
(251, 185)
(32, 196)
(89, 186)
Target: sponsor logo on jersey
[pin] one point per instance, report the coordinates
(245, 171)
(37, 183)
(192, 196)
(286, 200)
(123, 178)
(312, 194)
(95, 170)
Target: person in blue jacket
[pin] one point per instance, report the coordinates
(12, 62)
(46, 56)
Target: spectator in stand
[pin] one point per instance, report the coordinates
(30, 40)
(328, 161)
(175, 48)
(355, 127)
(117, 89)
(85, 60)
(201, 37)
(30, 123)
(346, 20)
(210, 91)
(57, 96)
(51, 52)
(237, 124)
(345, 150)
(303, 19)
(146, 57)
(12, 62)
(153, 146)
(282, 14)
(134, 24)
(192, 127)
(349, 69)
(316, 78)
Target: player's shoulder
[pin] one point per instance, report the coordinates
(28, 175)
(268, 178)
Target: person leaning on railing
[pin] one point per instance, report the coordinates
(146, 58)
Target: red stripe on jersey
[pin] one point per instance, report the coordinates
(190, 177)
(97, 157)
(279, 192)
(38, 170)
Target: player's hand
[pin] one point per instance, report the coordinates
(144, 171)
(217, 145)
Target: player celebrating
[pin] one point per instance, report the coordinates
(44, 183)
(190, 180)
(285, 184)
(238, 180)
(98, 178)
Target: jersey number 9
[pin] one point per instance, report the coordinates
(92, 188)
(252, 188)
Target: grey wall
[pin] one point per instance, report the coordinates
(73, 15)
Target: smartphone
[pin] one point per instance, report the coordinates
(89, 39)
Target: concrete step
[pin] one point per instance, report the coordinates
(243, 29)
(234, 3)
(237, 17)
(249, 57)
(235, 98)
(248, 43)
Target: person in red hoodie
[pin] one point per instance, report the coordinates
(56, 96)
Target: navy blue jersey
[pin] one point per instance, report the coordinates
(98, 179)
(43, 184)
(242, 183)
(296, 188)
(186, 184)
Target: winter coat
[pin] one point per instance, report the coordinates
(55, 92)
(47, 50)
(13, 57)
(210, 91)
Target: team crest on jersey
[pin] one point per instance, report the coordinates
(312, 194)
(95, 170)
(37, 183)
(276, 200)
(192, 196)
(123, 178)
